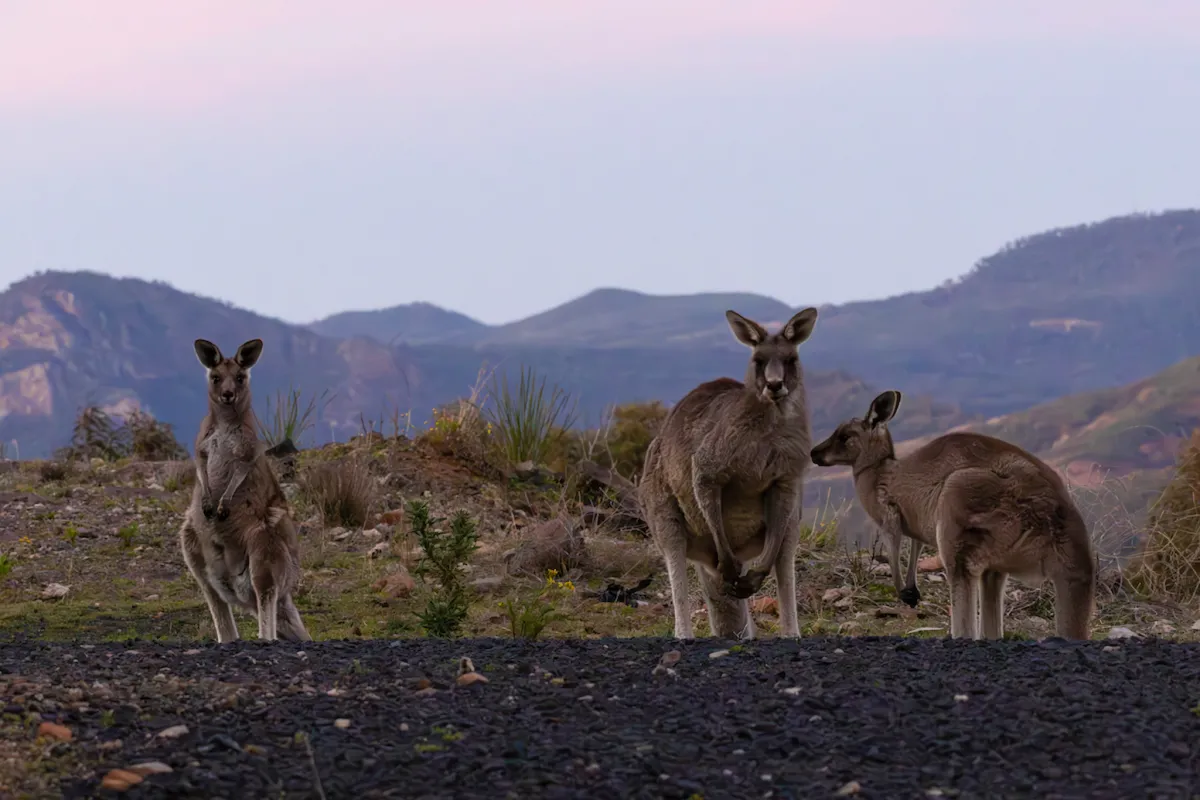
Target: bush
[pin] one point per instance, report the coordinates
(341, 491)
(287, 420)
(141, 436)
(443, 557)
(151, 440)
(528, 422)
(53, 471)
(634, 426)
(527, 620)
(1169, 563)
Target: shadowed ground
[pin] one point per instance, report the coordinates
(869, 717)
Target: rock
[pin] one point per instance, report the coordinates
(372, 533)
(1039, 623)
(1122, 633)
(554, 544)
(173, 732)
(151, 768)
(119, 780)
(54, 591)
(394, 517)
(60, 732)
(470, 679)
(881, 569)
(1196, 625)
(853, 787)
(339, 534)
(718, 654)
(396, 585)
(1160, 627)
(764, 605)
(836, 593)
(487, 584)
(379, 550)
(931, 563)
(845, 602)
(342, 723)
(670, 658)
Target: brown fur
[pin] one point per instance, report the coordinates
(723, 482)
(238, 537)
(990, 508)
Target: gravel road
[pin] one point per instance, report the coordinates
(822, 717)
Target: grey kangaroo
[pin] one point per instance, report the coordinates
(238, 538)
(723, 482)
(989, 507)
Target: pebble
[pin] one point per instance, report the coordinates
(173, 732)
(470, 679)
(60, 732)
(1121, 633)
(342, 723)
(119, 780)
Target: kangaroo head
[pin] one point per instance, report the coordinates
(774, 371)
(856, 438)
(229, 378)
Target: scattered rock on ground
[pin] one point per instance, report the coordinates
(396, 585)
(555, 544)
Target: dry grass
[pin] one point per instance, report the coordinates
(341, 491)
(1168, 565)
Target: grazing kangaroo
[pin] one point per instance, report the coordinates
(723, 482)
(243, 550)
(989, 507)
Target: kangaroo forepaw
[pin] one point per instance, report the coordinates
(206, 506)
(910, 595)
(222, 511)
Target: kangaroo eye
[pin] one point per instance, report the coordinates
(216, 379)
(241, 379)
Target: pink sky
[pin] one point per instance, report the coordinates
(149, 55)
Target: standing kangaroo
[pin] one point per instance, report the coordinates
(243, 549)
(723, 482)
(990, 508)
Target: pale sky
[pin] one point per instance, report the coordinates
(499, 157)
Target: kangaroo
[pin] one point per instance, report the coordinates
(243, 549)
(989, 507)
(723, 480)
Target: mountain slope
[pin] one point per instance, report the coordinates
(71, 339)
(414, 323)
(1065, 311)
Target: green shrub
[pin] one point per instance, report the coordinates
(527, 423)
(288, 419)
(444, 554)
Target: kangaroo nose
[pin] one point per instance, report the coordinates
(774, 386)
(227, 394)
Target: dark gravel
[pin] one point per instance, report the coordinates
(885, 718)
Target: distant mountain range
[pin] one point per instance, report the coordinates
(1074, 310)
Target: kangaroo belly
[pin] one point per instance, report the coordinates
(745, 525)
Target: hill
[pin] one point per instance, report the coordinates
(1069, 310)
(414, 323)
(73, 339)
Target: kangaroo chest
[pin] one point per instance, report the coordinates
(226, 447)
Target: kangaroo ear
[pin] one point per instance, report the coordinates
(883, 408)
(208, 353)
(800, 326)
(747, 331)
(248, 353)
